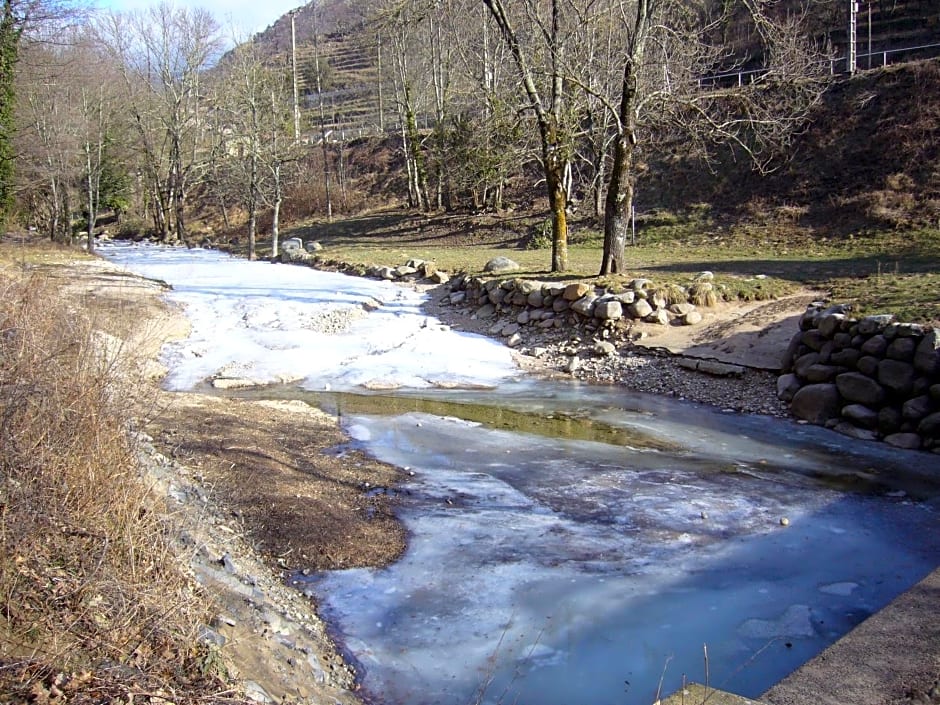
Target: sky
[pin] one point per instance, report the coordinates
(249, 16)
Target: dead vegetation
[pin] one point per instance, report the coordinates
(96, 604)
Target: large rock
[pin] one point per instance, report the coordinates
(829, 325)
(929, 427)
(874, 324)
(292, 243)
(609, 310)
(856, 387)
(804, 362)
(902, 349)
(861, 415)
(500, 265)
(814, 340)
(576, 291)
(917, 408)
(639, 309)
(908, 441)
(816, 403)
(875, 346)
(787, 386)
(927, 357)
(585, 305)
(896, 376)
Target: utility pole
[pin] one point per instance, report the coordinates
(852, 51)
(293, 66)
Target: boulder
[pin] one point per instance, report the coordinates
(292, 243)
(804, 362)
(889, 419)
(861, 415)
(609, 310)
(927, 356)
(917, 408)
(605, 348)
(896, 376)
(535, 299)
(929, 427)
(814, 339)
(856, 387)
(485, 311)
(313, 246)
(585, 305)
(816, 403)
(876, 346)
(874, 324)
(829, 325)
(787, 386)
(500, 265)
(902, 348)
(862, 434)
(868, 365)
(908, 441)
(576, 291)
(690, 318)
(659, 317)
(639, 309)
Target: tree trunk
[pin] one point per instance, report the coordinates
(619, 203)
(558, 201)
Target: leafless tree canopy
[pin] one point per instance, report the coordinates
(474, 91)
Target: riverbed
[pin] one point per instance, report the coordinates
(567, 542)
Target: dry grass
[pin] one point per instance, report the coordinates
(95, 604)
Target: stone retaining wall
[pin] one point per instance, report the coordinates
(871, 378)
(555, 305)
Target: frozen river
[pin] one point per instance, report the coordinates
(568, 543)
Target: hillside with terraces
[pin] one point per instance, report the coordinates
(358, 93)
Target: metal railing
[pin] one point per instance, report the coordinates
(876, 59)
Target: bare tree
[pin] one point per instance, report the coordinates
(678, 76)
(256, 110)
(163, 53)
(540, 54)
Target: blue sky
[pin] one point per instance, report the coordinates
(245, 15)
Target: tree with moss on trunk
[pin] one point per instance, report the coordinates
(681, 91)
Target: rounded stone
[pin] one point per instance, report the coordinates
(908, 441)
(929, 427)
(639, 309)
(861, 415)
(868, 365)
(816, 403)
(917, 408)
(875, 346)
(896, 376)
(889, 419)
(498, 265)
(856, 387)
(787, 386)
(578, 290)
(901, 349)
(609, 310)
(814, 339)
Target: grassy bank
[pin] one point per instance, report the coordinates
(884, 271)
(97, 605)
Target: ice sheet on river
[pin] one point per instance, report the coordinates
(270, 323)
(548, 571)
